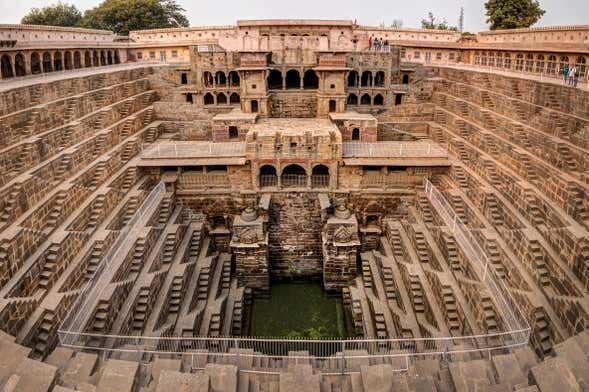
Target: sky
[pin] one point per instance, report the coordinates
(208, 13)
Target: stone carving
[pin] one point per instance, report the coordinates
(245, 235)
(342, 234)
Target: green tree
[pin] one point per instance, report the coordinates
(512, 14)
(122, 16)
(432, 23)
(60, 14)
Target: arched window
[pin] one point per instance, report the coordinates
(294, 176)
(35, 63)
(379, 79)
(552, 65)
(6, 66)
(87, 59)
(581, 64)
(220, 78)
(366, 80)
(519, 62)
(67, 60)
(274, 80)
(499, 60)
(484, 58)
(355, 134)
(320, 177)
(365, 99)
(540, 63)
(57, 61)
(353, 79)
(221, 99)
(529, 62)
(19, 65)
(405, 79)
(209, 99)
(310, 79)
(352, 99)
(234, 79)
(234, 98)
(378, 99)
(293, 79)
(47, 63)
(268, 176)
(507, 60)
(207, 79)
(77, 60)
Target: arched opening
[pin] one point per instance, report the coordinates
(117, 57)
(551, 66)
(47, 65)
(234, 79)
(581, 66)
(221, 99)
(355, 134)
(19, 65)
(352, 99)
(95, 59)
(35, 63)
(405, 79)
(274, 79)
(220, 79)
(310, 79)
(77, 60)
(87, 59)
(268, 176)
(365, 99)
(320, 177)
(378, 100)
(234, 98)
(484, 58)
(366, 80)
(379, 79)
(507, 60)
(293, 79)
(353, 79)
(499, 61)
(207, 79)
(519, 62)
(189, 98)
(57, 61)
(398, 99)
(183, 78)
(294, 176)
(332, 106)
(6, 67)
(233, 132)
(109, 57)
(254, 106)
(540, 64)
(209, 99)
(529, 62)
(67, 60)
(102, 58)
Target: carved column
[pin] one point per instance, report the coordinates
(249, 244)
(340, 248)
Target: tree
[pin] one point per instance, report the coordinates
(59, 14)
(431, 23)
(461, 20)
(512, 14)
(122, 16)
(397, 23)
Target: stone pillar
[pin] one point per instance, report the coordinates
(249, 245)
(340, 248)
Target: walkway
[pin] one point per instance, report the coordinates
(554, 79)
(19, 82)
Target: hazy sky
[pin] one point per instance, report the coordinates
(373, 12)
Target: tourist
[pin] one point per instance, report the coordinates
(565, 73)
(572, 72)
(575, 77)
(369, 43)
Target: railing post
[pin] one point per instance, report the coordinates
(343, 368)
(237, 353)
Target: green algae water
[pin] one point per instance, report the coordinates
(298, 310)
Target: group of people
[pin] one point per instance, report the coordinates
(570, 75)
(377, 44)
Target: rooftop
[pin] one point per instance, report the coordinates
(294, 126)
